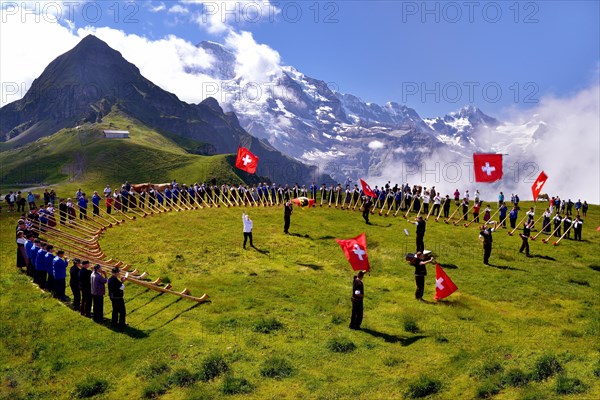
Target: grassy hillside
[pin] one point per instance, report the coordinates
(522, 328)
(83, 156)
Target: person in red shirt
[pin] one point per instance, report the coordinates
(476, 209)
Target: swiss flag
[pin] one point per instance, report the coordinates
(538, 184)
(356, 252)
(367, 189)
(488, 167)
(444, 286)
(246, 161)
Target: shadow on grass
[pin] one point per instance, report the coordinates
(380, 225)
(595, 267)
(161, 310)
(307, 236)
(146, 303)
(544, 257)
(261, 251)
(175, 317)
(328, 237)
(506, 267)
(449, 266)
(133, 333)
(388, 338)
(314, 267)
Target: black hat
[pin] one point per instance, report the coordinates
(76, 261)
(85, 262)
(97, 266)
(116, 270)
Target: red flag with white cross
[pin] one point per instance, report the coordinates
(246, 161)
(444, 286)
(367, 189)
(355, 250)
(536, 188)
(488, 167)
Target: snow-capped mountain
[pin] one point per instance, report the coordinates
(346, 136)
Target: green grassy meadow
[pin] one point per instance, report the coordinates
(277, 323)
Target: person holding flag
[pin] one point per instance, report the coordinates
(358, 294)
(367, 204)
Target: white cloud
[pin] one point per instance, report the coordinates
(179, 9)
(219, 17)
(157, 8)
(376, 145)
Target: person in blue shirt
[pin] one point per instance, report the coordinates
(503, 210)
(32, 254)
(124, 198)
(48, 258)
(96, 204)
(59, 267)
(512, 216)
(40, 266)
(82, 202)
(500, 199)
(29, 243)
(168, 196)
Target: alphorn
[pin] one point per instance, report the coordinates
(541, 230)
(117, 221)
(196, 201)
(125, 215)
(96, 224)
(564, 234)
(65, 243)
(421, 208)
(452, 215)
(77, 225)
(109, 222)
(465, 214)
(337, 197)
(89, 242)
(392, 204)
(185, 293)
(330, 197)
(410, 205)
(552, 234)
(383, 206)
(440, 212)
(517, 226)
(493, 215)
(430, 210)
(322, 193)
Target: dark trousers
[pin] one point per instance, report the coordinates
(95, 210)
(420, 281)
(487, 251)
(248, 235)
(366, 215)
(476, 217)
(420, 242)
(50, 282)
(286, 223)
(525, 245)
(118, 312)
(436, 209)
(98, 302)
(82, 213)
(446, 212)
(59, 288)
(503, 219)
(357, 314)
(86, 303)
(30, 269)
(578, 234)
(465, 213)
(40, 278)
(76, 296)
(108, 209)
(557, 233)
(513, 222)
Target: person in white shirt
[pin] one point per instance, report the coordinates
(247, 229)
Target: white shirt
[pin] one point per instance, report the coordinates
(247, 223)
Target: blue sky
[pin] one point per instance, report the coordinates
(432, 56)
